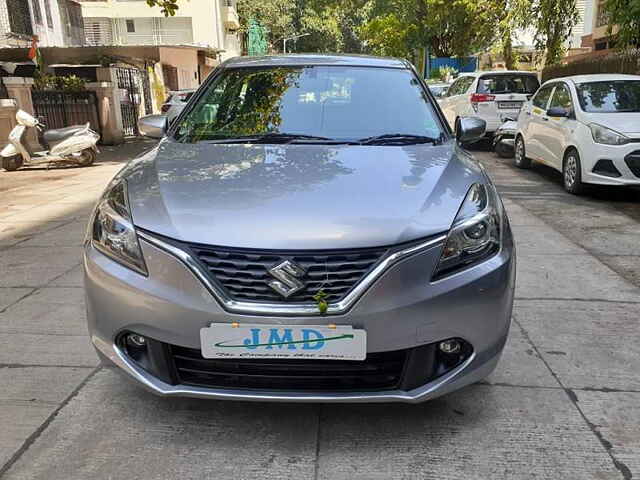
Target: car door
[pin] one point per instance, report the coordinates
(556, 131)
(453, 103)
(532, 120)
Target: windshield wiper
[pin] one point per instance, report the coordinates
(398, 139)
(272, 137)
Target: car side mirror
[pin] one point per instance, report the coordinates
(153, 126)
(470, 129)
(558, 112)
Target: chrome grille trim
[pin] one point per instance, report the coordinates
(258, 308)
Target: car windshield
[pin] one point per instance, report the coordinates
(610, 97)
(328, 103)
(508, 83)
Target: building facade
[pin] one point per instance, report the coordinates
(56, 23)
(596, 32)
(202, 23)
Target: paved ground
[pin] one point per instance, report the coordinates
(564, 403)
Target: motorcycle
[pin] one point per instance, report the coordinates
(504, 138)
(75, 145)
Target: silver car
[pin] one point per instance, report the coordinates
(308, 229)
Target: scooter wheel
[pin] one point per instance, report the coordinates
(87, 157)
(11, 164)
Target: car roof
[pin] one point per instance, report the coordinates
(596, 77)
(496, 72)
(315, 59)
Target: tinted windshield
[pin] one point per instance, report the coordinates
(610, 97)
(341, 103)
(508, 83)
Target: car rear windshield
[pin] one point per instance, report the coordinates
(334, 102)
(508, 83)
(610, 97)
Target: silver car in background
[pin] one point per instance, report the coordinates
(308, 229)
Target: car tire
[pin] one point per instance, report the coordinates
(11, 164)
(503, 151)
(520, 154)
(572, 173)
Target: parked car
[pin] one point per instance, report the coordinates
(492, 96)
(439, 90)
(587, 127)
(318, 236)
(175, 102)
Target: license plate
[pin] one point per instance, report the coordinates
(225, 340)
(510, 105)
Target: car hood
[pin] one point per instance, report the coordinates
(627, 123)
(298, 196)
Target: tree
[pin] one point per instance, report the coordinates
(168, 7)
(553, 20)
(515, 16)
(448, 27)
(625, 14)
(277, 16)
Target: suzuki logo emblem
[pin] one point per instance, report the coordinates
(287, 275)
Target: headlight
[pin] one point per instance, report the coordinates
(112, 230)
(476, 231)
(607, 136)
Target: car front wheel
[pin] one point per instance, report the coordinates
(521, 159)
(572, 173)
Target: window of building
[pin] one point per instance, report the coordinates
(37, 12)
(131, 26)
(47, 12)
(19, 17)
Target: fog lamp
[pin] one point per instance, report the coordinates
(136, 340)
(450, 346)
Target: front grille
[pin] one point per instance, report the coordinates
(380, 371)
(633, 162)
(244, 274)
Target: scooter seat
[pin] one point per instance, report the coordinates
(58, 134)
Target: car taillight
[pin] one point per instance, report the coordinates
(477, 98)
(165, 108)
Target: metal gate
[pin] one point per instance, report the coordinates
(130, 79)
(59, 109)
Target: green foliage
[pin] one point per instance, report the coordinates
(448, 27)
(276, 16)
(625, 14)
(321, 301)
(69, 83)
(553, 21)
(446, 73)
(387, 35)
(168, 7)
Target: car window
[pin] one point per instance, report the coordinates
(610, 97)
(542, 97)
(460, 86)
(343, 103)
(561, 97)
(508, 83)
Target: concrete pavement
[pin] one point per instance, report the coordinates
(564, 402)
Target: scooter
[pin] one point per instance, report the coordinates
(504, 138)
(75, 145)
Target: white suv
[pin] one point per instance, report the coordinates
(587, 127)
(492, 96)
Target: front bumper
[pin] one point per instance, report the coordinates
(403, 309)
(624, 158)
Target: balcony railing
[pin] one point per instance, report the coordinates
(161, 37)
